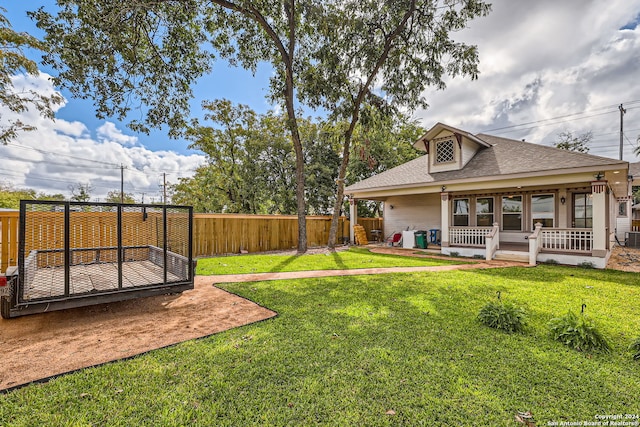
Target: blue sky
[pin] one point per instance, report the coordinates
(546, 67)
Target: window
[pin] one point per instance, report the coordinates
(461, 212)
(445, 151)
(542, 210)
(484, 211)
(583, 210)
(512, 213)
(622, 209)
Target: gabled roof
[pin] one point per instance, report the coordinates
(439, 127)
(501, 157)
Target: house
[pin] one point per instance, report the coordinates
(490, 196)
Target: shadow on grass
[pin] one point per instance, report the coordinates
(338, 260)
(285, 262)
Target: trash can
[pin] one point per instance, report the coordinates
(421, 239)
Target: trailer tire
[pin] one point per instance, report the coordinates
(5, 308)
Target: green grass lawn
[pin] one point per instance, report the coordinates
(345, 350)
(344, 260)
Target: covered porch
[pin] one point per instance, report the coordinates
(569, 224)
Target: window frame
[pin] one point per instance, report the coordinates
(460, 215)
(491, 213)
(553, 211)
(503, 212)
(574, 198)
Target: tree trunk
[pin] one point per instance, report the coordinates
(337, 207)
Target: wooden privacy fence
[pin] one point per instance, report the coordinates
(213, 234)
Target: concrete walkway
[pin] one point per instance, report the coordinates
(257, 277)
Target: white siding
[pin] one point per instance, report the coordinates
(469, 149)
(416, 212)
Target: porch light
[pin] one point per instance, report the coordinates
(599, 176)
(563, 200)
(444, 187)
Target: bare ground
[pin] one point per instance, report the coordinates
(43, 345)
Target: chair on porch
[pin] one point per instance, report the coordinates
(394, 238)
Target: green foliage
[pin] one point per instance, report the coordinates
(114, 197)
(587, 265)
(566, 141)
(10, 197)
(504, 316)
(80, 192)
(345, 350)
(578, 332)
(12, 62)
(635, 347)
(551, 261)
(251, 163)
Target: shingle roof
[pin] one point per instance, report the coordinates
(504, 157)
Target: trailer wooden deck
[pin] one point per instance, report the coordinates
(92, 278)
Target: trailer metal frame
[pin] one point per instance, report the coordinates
(74, 254)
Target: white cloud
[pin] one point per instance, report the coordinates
(109, 132)
(62, 153)
(546, 59)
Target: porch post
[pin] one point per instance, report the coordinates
(353, 217)
(600, 229)
(444, 219)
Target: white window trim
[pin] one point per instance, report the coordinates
(502, 212)
(553, 214)
(492, 213)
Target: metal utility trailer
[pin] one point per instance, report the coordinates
(74, 254)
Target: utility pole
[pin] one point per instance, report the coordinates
(121, 183)
(622, 112)
(164, 188)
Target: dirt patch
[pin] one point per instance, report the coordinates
(625, 259)
(43, 345)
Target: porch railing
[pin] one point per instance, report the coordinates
(566, 239)
(535, 244)
(469, 236)
(493, 241)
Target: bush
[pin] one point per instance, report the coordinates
(454, 254)
(504, 316)
(578, 332)
(587, 265)
(636, 349)
(551, 261)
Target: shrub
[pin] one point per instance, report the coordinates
(636, 349)
(587, 265)
(578, 332)
(454, 254)
(504, 316)
(551, 261)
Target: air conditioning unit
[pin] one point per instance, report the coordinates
(632, 239)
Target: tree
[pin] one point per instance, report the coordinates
(382, 54)
(380, 142)
(80, 192)
(113, 196)
(125, 51)
(10, 196)
(327, 54)
(12, 62)
(251, 163)
(566, 141)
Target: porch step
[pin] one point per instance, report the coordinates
(515, 256)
